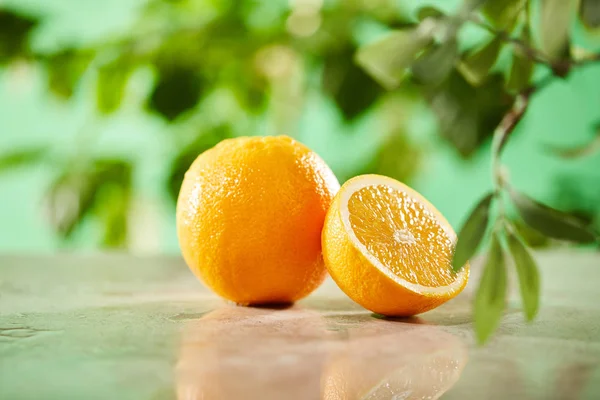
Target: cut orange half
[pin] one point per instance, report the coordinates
(389, 249)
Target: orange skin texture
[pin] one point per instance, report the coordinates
(249, 219)
(366, 284)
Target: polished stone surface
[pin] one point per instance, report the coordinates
(120, 327)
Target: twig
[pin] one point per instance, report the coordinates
(510, 120)
(559, 68)
(531, 52)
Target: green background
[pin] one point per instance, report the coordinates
(562, 114)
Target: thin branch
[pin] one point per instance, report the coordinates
(559, 68)
(510, 120)
(531, 52)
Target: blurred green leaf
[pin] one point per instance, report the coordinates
(472, 232)
(113, 200)
(387, 60)
(436, 63)
(467, 116)
(521, 68)
(532, 237)
(65, 69)
(14, 35)
(113, 209)
(251, 91)
(21, 158)
(589, 12)
(73, 195)
(350, 87)
(527, 270)
(472, 5)
(553, 223)
(398, 157)
(555, 22)
(503, 14)
(476, 66)
(583, 150)
(69, 200)
(111, 83)
(491, 294)
(429, 12)
(188, 154)
(178, 89)
(579, 195)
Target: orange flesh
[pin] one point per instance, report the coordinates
(400, 232)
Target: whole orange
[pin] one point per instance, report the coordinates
(249, 219)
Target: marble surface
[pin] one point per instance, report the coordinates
(121, 327)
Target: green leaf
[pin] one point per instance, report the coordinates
(469, 6)
(349, 85)
(21, 158)
(436, 63)
(578, 194)
(521, 68)
(178, 89)
(399, 157)
(476, 66)
(73, 195)
(429, 12)
(467, 116)
(472, 232)
(555, 22)
(113, 209)
(529, 279)
(69, 200)
(387, 60)
(531, 237)
(553, 223)
(111, 84)
(14, 35)
(112, 201)
(586, 149)
(491, 293)
(251, 90)
(503, 14)
(589, 12)
(65, 69)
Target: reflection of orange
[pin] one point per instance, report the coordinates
(249, 219)
(404, 362)
(251, 353)
(389, 249)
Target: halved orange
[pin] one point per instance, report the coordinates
(389, 249)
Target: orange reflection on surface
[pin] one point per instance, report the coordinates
(255, 353)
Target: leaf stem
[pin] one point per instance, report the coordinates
(501, 135)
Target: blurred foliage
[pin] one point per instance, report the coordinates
(222, 68)
(468, 115)
(583, 201)
(341, 80)
(253, 61)
(99, 187)
(20, 158)
(14, 35)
